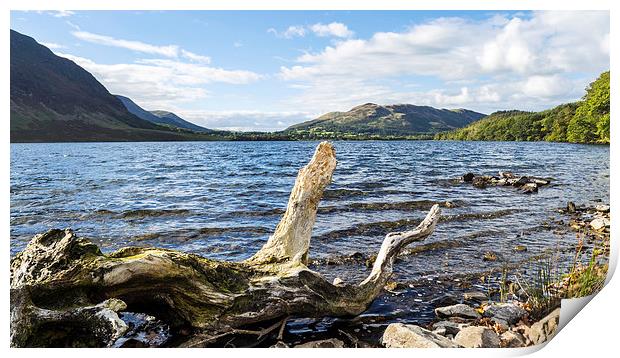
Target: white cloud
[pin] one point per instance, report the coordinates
(532, 60)
(336, 29)
(52, 45)
(196, 58)
(161, 83)
(168, 51)
(57, 13)
(290, 32)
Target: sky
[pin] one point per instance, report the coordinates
(267, 70)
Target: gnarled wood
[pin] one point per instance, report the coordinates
(64, 275)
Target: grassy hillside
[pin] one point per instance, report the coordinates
(387, 121)
(586, 121)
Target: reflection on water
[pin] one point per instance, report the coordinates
(222, 199)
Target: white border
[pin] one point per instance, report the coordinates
(592, 332)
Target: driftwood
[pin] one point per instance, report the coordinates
(65, 291)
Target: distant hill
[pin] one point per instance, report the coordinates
(172, 119)
(54, 99)
(160, 117)
(586, 121)
(398, 119)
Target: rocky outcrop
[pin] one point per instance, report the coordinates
(544, 329)
(525, 184)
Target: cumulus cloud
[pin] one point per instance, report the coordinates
(336, 29)
(540, 57)
(161, 83)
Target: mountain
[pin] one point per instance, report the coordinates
(172, 119)
(586, 121)
(160, 117)
(398, 119)
(54, 99)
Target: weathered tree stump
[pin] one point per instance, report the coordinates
(64, 289)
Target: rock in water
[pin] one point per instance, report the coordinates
(544, 329)
(468, 177)
(570, 207)
(505, 313)
(475, 296)
(398, 335)
(326, 343)
(489, 256)
(529, 188)
(477, 337)
(459, 310)
(479, 182)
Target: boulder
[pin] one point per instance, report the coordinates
(475, 296)
(468, 177)
(529, 188)
(459, 310)
(602, 208)
(599, 223)
(325, 343)
(398, 335)
(477, 337)
(479, 182)
(521, 181)
(449, 327)
(504, 313)
(512, 339)
(544, 329)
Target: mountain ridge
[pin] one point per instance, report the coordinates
(392, 119)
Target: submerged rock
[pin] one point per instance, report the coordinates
(520, 248)
(459, 310)
(398, 335)
(325, 343)
(489, 256)
(570, 207)
(529, 188)
(477, 337)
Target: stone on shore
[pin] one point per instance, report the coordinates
(544, 329)
(325, 343)
(475, 296)
(459, 310)
(504, 313)
(599, 223)
(477, 337)
(602, 208)
(398, 335)
(512, 339)
(449, 327)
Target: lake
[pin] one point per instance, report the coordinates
(223, 199)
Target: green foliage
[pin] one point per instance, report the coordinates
(591, 120)
(583, 122)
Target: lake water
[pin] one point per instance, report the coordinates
(223, 199)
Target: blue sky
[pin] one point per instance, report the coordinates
(266, 70)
